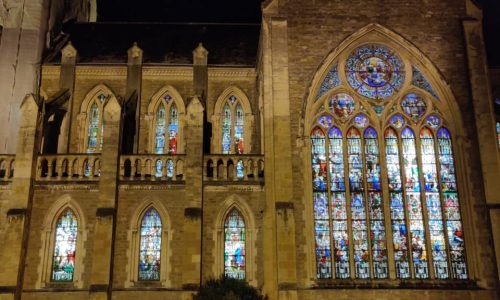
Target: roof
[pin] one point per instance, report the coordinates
(162, 43)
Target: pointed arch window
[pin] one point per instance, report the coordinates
(166, 126)
(150, 246)
(234, 245)
(376, 127)
(498, 134)
(66, 232)
(95, 128)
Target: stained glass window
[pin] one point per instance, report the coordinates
(420, 81)
(173, 130)
(413, 106)
(451, 205)
(150, 246)
(341, 105)
(63, 264)
(226, 129)
(331, 80)
(498, 134)
(234, 245)
(375, 71)
(93, 129)
(238, 130)
(160, 129)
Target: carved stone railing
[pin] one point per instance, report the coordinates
(152, 167)
(7, 166)
(234, 168)
(68, 167)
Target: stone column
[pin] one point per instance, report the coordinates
(279, 224)
(133, 98)
(15, 239)
(67, 82)
(193, 169)
(200, 88)
(482, 101)
(100, 276)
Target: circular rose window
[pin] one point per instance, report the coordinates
(375, 71)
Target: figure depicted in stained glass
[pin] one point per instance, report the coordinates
(234, 245)
(160, 129)
(375, 71)
(361, 121)
(166, 127)
(413, 106)
(173, 130)
(93, 129)
(239, 145)
(150, 246)
(325, 121)
(397, 121)
(233, 126)
(498, 134)
(433, 121)
(63, 262)
(342, 105)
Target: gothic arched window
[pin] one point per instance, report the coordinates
(378, 124)
(498, 134)
(95, 125)
(166, 126)
(234, 245)
(150, 246)
(63, 262)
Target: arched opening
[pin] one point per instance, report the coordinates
(150, 246)
(234, 245)
(63, 259)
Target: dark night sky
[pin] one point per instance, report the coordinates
(246, 11)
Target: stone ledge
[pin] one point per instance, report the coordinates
(17, 212)
(284, 205)
(193, 213)
(396, 284)
(8, 289)
(97, 288)
(104, 212)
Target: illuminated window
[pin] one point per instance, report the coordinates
(166, 136)
(63, 262)
(150, 246)
(234, 245)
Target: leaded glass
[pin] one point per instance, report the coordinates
(397, 121)
(93, 129)
(413, 106)
(375, 204)
(63, 263)
(234, 245)
(226, 129)
(173, 129)
(170, 168)
(498, 134)
(419, 80)
(433, 121)
(451, 205)
(238, 130)
(375, 71)
(150, 246)
(331, 80)
(325, 121)
(240, 169)
(360, 121)
(433, 202)
(160, 129)
(159, 168)
(318, 160)
(414, 205)
(397, 207)
(341, 105)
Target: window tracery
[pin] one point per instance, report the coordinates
(234, 245)
(150, 246)
(166, 137)
(385, 108)
(63, 261)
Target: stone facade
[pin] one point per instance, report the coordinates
(110, 188)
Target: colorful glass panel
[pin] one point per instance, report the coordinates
(397, 121)
(93, 129)
(63, 263)
(159, 168)
(375, 71)
(331, 80)
(419, 80)
(451, 206)
(414, 205)
(240, 169)
(239, 122)
(341, 105)
(360, 121)
(397, 207)
(160, 129)
(358, 207)
(226, 129)
(234, 245)
(150, 246)
(498, 134)
(376, 210)
(433, 202)
(170, 168)
(338, 204)
(433, 121)
(325, 121)
(173, 129)
(413, 106)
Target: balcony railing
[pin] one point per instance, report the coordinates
(69, 167)
(236, 168)
(152, 167)
(7, 167)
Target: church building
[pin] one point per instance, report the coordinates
(335, 150)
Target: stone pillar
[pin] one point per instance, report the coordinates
(193, 169)
(200, 88)
(482, 101)
(12, 255)
(279, 227)
(67, 82)
(100, 277)
(133, 98)
(24, 27)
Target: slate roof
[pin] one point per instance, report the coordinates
(162, 43)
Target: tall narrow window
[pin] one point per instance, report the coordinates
(498, 134)
(173, 130)
(150, 246)
(226, 130)
(160, 129)
(414, 205)
(433, 203)
(398, 218)
(234, 245)
(451, 205)
(63, 264)
(238, 130)
(93, 133)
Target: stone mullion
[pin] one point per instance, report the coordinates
(328, 194)
(347, 185)
(367, 204)
(423, 203)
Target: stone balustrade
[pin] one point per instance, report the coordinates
(69, 167)
(152, 167)
(235, 168)
(7, 167)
